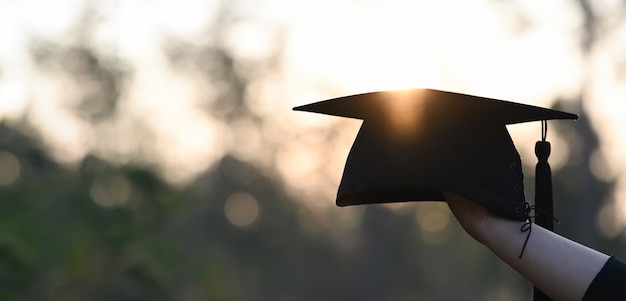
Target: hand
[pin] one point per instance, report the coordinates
(561, 268)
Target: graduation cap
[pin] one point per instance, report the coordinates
(415, 144)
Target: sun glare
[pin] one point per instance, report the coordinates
(404, 110)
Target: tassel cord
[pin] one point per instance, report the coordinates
(527, 226)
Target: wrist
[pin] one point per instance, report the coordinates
(494, 230)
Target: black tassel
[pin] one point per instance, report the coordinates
(543, 192)
(543, 183)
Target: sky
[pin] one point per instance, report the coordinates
(522, 51)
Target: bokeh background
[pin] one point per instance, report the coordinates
(148, 150)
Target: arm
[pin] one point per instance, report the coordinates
(561, 268)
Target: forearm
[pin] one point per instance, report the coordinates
(561, 268)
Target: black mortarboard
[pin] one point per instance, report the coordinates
(414, 144)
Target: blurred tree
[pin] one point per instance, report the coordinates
(232, 79)
(94, 81)
(229, 74)
(579, 194)
(58, 244)
(111, 231)
(97, 78)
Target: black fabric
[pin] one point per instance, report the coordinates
(415, 144)
(609, 284)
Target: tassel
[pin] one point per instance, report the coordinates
(543, 192)
(543, 182)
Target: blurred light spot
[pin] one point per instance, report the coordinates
(251, 40)
(9, 168)
(241, 209)
(599, 166)
(111, 191)
(524, 135)
(297, 160)
(608, 223)
(433, 219)
(247, 142)
(500, 293)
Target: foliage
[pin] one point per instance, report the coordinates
(59, 241)
(107, 230)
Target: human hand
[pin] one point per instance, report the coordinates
(561, 268)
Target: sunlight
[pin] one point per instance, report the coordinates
(433, 218)
(405, 109)
(417, 45)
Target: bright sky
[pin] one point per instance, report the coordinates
(333, 48)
